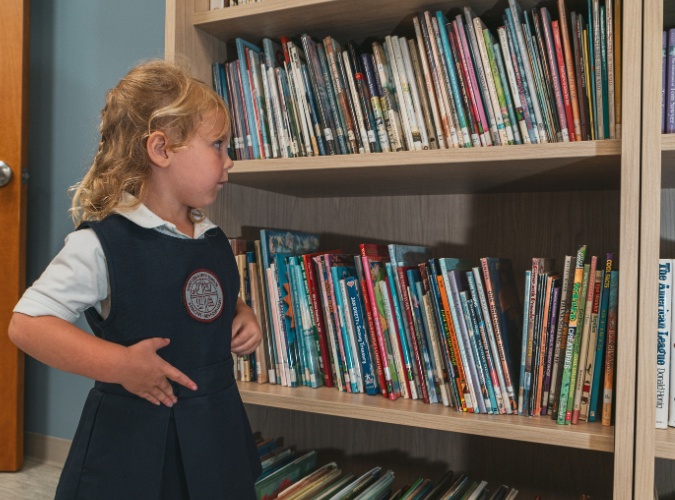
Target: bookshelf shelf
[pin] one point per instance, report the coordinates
(320, 18)
(592, 165)
(329, 401)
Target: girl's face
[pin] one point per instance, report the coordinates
(200, 170)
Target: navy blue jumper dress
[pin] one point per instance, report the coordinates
(202, 448)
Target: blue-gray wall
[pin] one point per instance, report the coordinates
(79, 50)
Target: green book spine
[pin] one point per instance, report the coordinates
(571, 335)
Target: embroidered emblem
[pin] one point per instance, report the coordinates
(203, 296)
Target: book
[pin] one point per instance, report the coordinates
(457, 284)
(561, 335)
(576, 297)
(592, 345)
(608, 391)
(414, 292)
(401, 256)
(663, 342)
(275, 245)
(586, 336)
(373, 259)
(505, 313)
(425, 79)
(362, 342)
(569, 67)
(252, 120)
(514, 11)
(270, 486)
(670, 93)
(596, 385)
(578, 342)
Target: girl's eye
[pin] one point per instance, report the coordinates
(218, 144)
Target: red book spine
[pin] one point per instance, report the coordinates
(562, 71)
(313, 287)
(373, 338)
(413, 338)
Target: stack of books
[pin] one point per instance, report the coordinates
(457, 83)
(394, 321)
(287, 475)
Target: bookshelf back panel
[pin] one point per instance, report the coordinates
(667, 223)
(357, 446)
(519, 226)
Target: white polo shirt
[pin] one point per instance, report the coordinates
(77, 278)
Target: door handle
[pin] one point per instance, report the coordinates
(5, 174)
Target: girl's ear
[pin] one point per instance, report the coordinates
(157, 148)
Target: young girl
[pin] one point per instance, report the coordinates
(158, 285)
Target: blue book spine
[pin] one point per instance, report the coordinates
(339, 275)
(400, 325)
(524, 389)
(288, 331)
(413, 279)
(454, 82)
(476, 350)
(591, 61)
(313, 113)
(242, 45)
(670, 121)
(597, 387)
(338, 120)
(297, 323)
(363, 345)
(483, 343)
(441, 321)
(376, 104)
(528, 108)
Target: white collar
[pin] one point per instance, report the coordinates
(142, 216)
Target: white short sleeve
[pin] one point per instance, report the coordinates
(73, 282)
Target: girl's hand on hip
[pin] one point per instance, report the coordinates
(147, 375)
(246, 333)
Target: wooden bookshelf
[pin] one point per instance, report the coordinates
(545, 167)
(329, 401)
(518, 201)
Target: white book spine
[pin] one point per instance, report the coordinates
(664, 343)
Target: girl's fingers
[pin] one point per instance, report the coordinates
(179, 377)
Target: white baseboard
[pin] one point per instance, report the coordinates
(46, 449)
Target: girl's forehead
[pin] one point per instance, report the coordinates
(213, 123)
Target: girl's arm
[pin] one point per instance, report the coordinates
(62, 345)
(246, 333)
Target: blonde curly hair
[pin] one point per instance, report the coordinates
(154, 95)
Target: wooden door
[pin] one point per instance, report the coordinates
(14, 22)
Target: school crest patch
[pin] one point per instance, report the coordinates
(203, 296)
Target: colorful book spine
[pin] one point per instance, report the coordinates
(555, 74)
(523, 347)
(401, 328)
(362, 344)
(670, 96)
(596, 386)
(513, 84)
(569, 66)
(608, 392)
(663, 342)
(378, 114)
(468, 138)
(561, 334)
(514, 12)
(429, 83)
(565, 387)
(586, 337)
